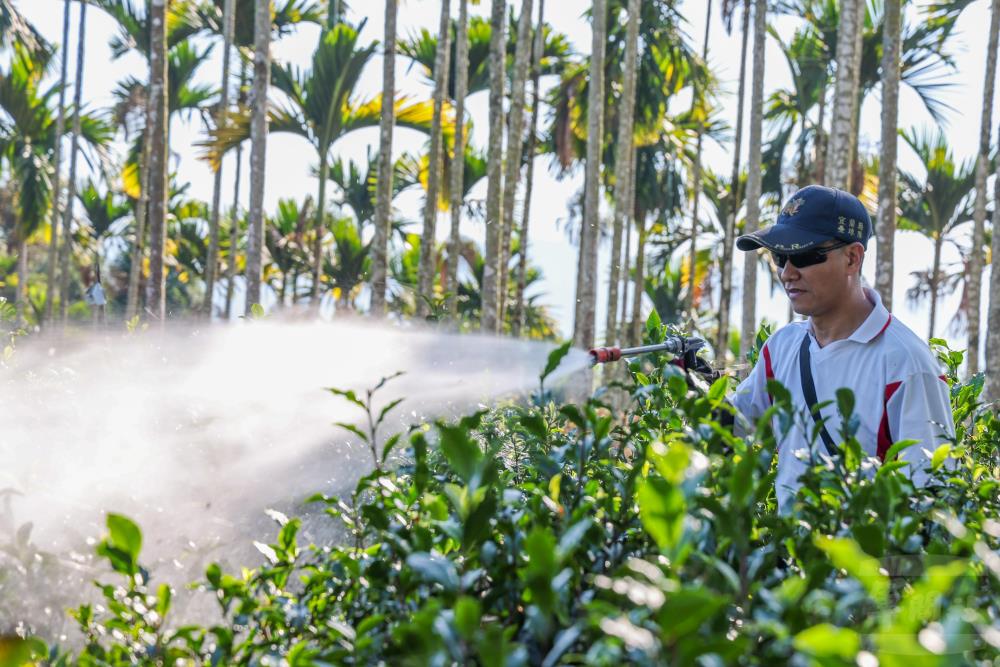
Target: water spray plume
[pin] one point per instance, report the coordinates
(195, 432)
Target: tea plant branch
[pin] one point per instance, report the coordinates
(374, 422)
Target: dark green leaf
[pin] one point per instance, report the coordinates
(555, 356)
(388, 408)
(534, 424)
(896, 448)
(845, 402)
(661, 509)
(434, 568)
(468, 611)
(390, 443)
(462, 452)
(349, 395)
(352, 429)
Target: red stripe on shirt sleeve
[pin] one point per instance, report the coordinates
(768, 370)
(884, 437)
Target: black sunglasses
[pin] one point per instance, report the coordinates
(801, 260)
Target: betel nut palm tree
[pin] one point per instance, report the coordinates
(320, 105)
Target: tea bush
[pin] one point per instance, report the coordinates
(549, 533)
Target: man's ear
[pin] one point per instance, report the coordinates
(855, 255)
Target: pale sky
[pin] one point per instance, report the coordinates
(290, 159)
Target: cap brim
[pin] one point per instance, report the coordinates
(781, 238)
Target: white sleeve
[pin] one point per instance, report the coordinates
(920, 410)
(751, 398)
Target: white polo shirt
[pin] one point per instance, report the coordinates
(898, 388)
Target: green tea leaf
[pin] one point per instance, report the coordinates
(871, 538)
(389, 445)
(534, 424)
(164, 595)
(571, 539)
(741, 482)
(468, 611)
(351, 428)
(349, 395)
(653, 323)
(15, 651)
(434, 568)
(896, 448)
(462, 452)
(661, 509)
(941, 454)
(717, 392)
(845, 402)
(123, 544)
(387, 409)
(828, 641)
(848, 556)
(684, 611)
(540, 547)
(555, 356)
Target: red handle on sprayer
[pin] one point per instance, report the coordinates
(602, 355)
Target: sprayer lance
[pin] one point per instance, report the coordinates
(675, 345)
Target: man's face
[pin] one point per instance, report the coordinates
(817, 289)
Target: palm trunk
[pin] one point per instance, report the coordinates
(621, 331)
(992, 389)
(518, 320)
(383, 188)
(801, 177)
(317, 275)
(697, 95)
(886, 225)
(839, 158)
(749, 323)
(428, 256)
(819, 175)
(458, 161)
(489, 320)
(20, 290)
(229, 22)
(975, 277)
(935, 279)
(234, 228)
(142, 206)
(623, 160)
(65, 251)
(726, 287)
(639, 280)
(156, 287)
(855, 171)
(586, 298)
(258, 149)
(50, 275)
(515, 144)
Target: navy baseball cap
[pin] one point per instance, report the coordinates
(811, 216)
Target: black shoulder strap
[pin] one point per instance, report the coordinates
(809, 391)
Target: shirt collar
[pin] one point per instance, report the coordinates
(877, 321)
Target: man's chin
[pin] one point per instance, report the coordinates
(801, 308)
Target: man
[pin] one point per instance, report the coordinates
(850, 340)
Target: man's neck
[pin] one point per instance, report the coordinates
(843, 321)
